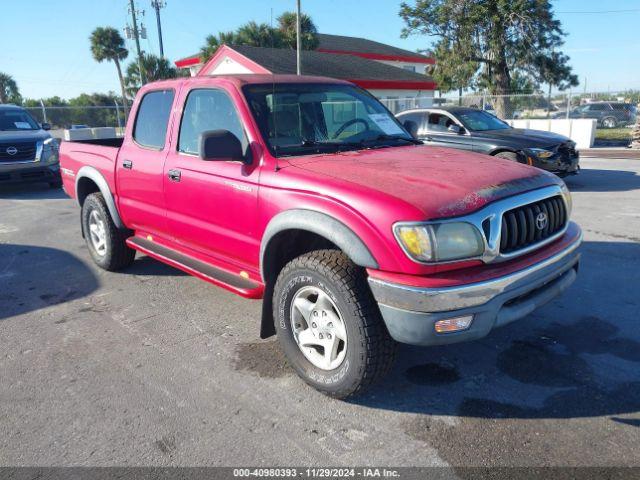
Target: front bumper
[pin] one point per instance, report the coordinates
(29, 173)
(410, 313)
(561, 165)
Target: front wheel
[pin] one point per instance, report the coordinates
(105, 241)
(329, 325)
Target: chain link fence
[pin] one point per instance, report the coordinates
(61, 118)
(615, 114)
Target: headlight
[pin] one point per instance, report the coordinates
(541, 152)
(46, 150)
(566, 194)
(440, 241)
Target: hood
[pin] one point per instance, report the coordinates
(23, 135)
(525, 137)
(439, 182)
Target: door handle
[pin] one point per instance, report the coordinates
(174, 175)
(128, 164)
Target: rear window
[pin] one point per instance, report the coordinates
(150, 129)
(622, 106)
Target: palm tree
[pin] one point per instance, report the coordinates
(213, 42)
(308, 30)
(108, 44)
(259, 35)
(8, 89)
(154, 68)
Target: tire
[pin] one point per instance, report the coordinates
(368, 351)
(105, 241)
(513, 156)
(609, 122)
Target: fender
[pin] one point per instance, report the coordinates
(94, 175)
(322, 224)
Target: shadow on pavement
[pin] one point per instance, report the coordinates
(144, 265)
(34, 277)
(600, 180)
(31, 191)
(563, 361)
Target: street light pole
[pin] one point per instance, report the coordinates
(298, 41)
(157, 5)
(136, 36)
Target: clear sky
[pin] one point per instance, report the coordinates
(44, 44)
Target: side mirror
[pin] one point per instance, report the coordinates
(411, 127)
(45, 126)
(455, 129)
(221, 145)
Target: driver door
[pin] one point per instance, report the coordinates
(436, 132)
(211, 205)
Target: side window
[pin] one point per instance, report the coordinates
(597, 107)
(208, 109)
(439, 122)
(415, 117)
(150, 129)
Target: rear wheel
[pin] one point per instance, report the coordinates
(329, 325)
(609, 122)
(105, 241)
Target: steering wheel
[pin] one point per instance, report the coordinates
(348, 123)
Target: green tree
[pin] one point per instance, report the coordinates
(213, 42)
(263, 35)
(308, 31)
(9, 92)
(108, 44)
(552, 68)
(154, 68)
(259, 35)
(500, 36)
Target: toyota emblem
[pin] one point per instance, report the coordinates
(11, 150)
(541, 221)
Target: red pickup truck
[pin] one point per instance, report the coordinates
(306, 192)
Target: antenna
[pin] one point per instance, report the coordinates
(273, 95)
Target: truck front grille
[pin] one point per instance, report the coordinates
(23, 151)
(532, 223)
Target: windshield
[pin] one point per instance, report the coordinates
(304, 118)
(17, 120)
(479, 121)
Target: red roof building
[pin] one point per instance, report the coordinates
(398, 77)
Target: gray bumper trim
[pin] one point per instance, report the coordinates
(492, 304)
(454, 298)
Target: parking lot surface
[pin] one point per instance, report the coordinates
(150, 366)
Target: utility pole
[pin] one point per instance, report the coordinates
(298, 41)
(157, 5)
(136, 36)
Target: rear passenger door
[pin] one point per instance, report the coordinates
(211, 205)
(139, 171)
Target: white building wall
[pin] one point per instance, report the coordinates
(417, 67)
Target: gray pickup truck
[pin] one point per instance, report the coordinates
(28, 152)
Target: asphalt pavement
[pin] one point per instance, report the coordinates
(150, 366)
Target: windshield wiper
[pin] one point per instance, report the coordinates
(384, 136)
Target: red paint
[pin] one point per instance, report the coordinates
(219, 211)
(379, 56)
(187, 62)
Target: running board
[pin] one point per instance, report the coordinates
(242, 286)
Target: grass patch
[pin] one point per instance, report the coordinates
(613, 134)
